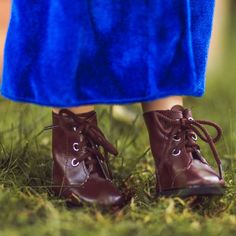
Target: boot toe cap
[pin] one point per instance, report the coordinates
(99, 191)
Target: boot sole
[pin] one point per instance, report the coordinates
(74, 201)
(193, 191)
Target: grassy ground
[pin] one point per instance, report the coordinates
(27, 207)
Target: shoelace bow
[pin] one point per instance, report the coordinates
(94, 135)
(188, 126)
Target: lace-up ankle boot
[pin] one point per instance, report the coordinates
(181, 168)
(81, 172)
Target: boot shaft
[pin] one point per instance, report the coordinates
(65, 142)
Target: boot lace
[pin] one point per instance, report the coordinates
(186, 130)
(89, 146)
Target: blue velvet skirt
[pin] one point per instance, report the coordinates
(67, 53)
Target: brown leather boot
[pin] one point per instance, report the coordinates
(81, 172)
(180, 167)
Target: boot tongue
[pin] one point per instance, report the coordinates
(173, 114)
(177, 108)
(176, 112)
(186, 113)
(89, 116)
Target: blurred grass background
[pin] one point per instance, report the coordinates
(27, 206)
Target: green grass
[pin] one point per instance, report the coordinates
(27, 206)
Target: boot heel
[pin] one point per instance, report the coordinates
(193, 191)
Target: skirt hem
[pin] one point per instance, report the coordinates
(197, 93)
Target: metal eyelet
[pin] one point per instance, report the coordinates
(74, 162)
(75, 128)
(194, 137)
(176, 138)
(75, 147)
(175, 153)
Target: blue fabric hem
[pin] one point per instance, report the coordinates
(118, 101)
